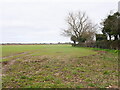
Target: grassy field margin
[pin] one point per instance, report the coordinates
(61, 66)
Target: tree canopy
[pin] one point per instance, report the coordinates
(80, 28)
(111, 26)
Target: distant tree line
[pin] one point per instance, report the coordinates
(35, 43)
(83, 32)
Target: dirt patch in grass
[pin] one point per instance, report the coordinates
(6, 65)
(36, 59)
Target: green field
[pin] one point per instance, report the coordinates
(58, 66)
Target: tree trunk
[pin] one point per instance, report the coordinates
(74, 42)
(109, 37)
(116, 37)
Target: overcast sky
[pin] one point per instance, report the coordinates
(42, 21)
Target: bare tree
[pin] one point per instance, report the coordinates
(79, 26)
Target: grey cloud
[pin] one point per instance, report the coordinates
(42, 21)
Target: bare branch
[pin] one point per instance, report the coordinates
(79, 25)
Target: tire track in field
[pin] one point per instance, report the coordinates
(6, 64)
(15, 55)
